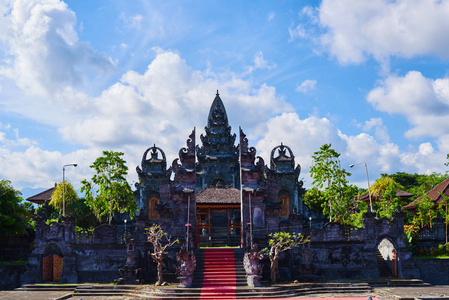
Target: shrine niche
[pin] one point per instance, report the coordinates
(153, 203)
(284, 202)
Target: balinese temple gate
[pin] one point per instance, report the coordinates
(222, 194)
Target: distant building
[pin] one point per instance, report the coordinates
(436, 194)
(42, 197)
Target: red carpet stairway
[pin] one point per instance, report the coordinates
(219, 274)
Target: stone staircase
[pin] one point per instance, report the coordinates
(384, 268)
(220, 275)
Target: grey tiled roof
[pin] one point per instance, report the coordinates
(218, 195)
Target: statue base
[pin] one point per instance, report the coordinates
(185, 281)
(253, 280)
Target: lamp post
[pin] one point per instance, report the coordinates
(310, 222)
(63, 187)
(367, 179)
(125, 224)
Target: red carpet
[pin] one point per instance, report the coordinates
(219, 274)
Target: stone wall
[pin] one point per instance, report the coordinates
(433, 271)
(10, 276)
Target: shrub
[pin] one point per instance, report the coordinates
(433, 251)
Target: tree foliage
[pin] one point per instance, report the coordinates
(315, 199)
(109, 191)
(417, 184)
(280, 242)
(384, 191)
(330, 178)
(70, 196)
(14, 217)
(161, 242)
(424, 212)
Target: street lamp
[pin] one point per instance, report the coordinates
(310, 220)
(125, 225)
(63, 187)
(367, 179)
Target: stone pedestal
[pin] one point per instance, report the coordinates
(253, 280)
(185, 281)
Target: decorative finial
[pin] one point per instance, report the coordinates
(217, 94)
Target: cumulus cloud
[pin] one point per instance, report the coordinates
(423, 101)
(43, 53)
(380, 130)
(306, 136)
(306, 86)
(356, 30)
(164, 103)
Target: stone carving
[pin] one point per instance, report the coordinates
(186, 266)
(253, 266)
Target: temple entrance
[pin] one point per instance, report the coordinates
(218, 225)
(52, 263)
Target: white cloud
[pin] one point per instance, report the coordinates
(296, 32)
(259, 64)
(271, 16)
(424, 102)
(306, 86)
(163, 105)
(383, 28)
(380, 130)
(44, 54)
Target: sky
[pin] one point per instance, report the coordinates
(79, 77)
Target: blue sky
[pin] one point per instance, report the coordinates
(79, 77)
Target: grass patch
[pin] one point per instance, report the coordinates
(13, 262)
(431, 257)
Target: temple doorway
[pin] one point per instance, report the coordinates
(218, 225)
(52, 263)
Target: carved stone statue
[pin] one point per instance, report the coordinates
(186, 266)
(253, 266)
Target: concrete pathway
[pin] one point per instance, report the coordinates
(381, 293)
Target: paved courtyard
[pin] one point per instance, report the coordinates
(382, 293)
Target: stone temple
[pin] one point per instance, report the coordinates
(218, 192)
(218, 185)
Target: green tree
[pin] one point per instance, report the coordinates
(70, 196)
(161, 242)
(384, 191)
(424, 211)
(280, 242)
(443, 209)
(109, 191)
(330, 178)
(14, 216)
(417, 184)
(315, 199)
